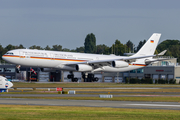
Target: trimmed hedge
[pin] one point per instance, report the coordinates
(149, 81)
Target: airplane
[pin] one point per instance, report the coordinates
(4, 84)
(83, 62)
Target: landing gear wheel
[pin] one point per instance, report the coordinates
(71, 76)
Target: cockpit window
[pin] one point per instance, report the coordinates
(9, 53)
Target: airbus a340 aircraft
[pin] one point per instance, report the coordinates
(83, 62)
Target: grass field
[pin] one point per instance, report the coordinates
(25, 112)
(90, 85)
(117, 91)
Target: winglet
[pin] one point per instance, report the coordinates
(162, 53)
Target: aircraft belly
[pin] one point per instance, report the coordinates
(112, 69)
(36, 62)
(13, 60)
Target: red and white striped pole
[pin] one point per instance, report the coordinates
(33, 71)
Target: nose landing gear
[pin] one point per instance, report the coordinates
(18, 68)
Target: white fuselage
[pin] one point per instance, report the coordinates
(59, 60)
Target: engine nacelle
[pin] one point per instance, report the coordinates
(119, 64)
(83, 68)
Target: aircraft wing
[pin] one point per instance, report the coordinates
(108, 61)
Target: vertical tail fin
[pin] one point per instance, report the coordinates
(150, 46)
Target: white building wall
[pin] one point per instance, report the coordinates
(107, 79)
(155, 77)
(43, 76)
(119, 79)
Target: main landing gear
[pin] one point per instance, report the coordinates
(71, 76)
(88, 77)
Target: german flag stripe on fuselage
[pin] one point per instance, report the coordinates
(58, 59)
(44, 58)
(143, 65)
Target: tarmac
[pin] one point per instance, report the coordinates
(92, 103)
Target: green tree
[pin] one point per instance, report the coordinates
(80, 49)
(73, 50)
(36, 47)
(102, 49)
(172, 47)
(1, 52)
(20, 47)
(175, 51)
(119, 48)
(130, 47)
(7, 48)
(57, 48)
(111, 49)
(66, 50)
(47, 48)
(141, 43)
(166, 44)
(10, 47)
(90, 43)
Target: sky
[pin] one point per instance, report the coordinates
(67, 22)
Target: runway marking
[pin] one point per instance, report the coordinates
(153, 95)
(155, 105)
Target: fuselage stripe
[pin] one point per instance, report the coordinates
(137, 65)
(45, 58)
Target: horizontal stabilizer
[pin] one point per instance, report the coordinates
(163, 52)
(155, 60)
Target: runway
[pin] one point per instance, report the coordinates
(80, 95)
(93, 103)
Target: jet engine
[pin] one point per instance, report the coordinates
(83, 68)
(119, 64)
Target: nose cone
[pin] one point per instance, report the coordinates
(5, 57)
(10, 84)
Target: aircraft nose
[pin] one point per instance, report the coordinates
(10, 84)
(4, 57)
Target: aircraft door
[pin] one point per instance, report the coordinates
(52, 56)
(21, 54)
